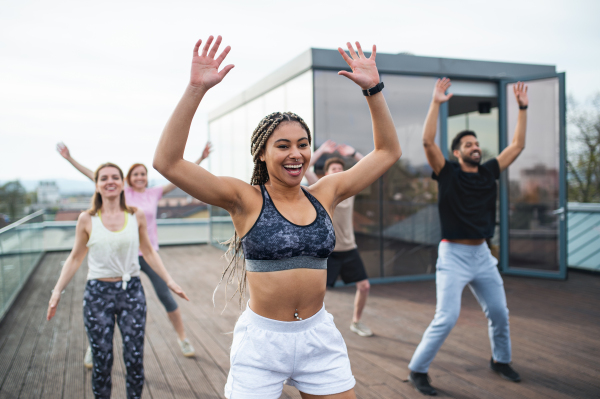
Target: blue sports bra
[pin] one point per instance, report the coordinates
(274, 243)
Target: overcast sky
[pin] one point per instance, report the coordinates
(104, 76)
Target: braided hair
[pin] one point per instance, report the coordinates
(236, 267)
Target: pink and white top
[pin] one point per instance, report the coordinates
(147, 202)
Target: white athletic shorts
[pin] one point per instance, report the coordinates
(309, 354)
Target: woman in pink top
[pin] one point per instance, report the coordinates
(138, 194)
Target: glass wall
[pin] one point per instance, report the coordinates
(396, 220)
(342, 115)
(411, 230)
(21, 248)
(533, 188)
(230, 135)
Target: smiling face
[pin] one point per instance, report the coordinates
(139, 177)
(109, 183)
(287, 153)
(334, 168)
(469, 150)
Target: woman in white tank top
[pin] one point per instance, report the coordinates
(111, 233)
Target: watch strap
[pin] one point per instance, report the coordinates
(373, 90)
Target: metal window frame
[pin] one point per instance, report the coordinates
(561, 274)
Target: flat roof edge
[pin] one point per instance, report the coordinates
(326, 59)
(288, 71)
(423, 65)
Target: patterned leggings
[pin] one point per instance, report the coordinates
(104, 302)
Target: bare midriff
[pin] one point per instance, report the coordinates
(110, 279)
(278, 295)
(467, 241)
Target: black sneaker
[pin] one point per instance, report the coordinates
(505, 371)
(421, 383)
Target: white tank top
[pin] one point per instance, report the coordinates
(114, 253)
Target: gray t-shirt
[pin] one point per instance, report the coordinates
(342, 223)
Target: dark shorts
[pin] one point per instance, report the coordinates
(348, 264)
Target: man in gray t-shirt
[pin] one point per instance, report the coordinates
(345, 260)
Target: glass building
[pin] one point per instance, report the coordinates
(396, 219)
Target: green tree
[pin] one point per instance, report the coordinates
(584, 151)
(13, 199)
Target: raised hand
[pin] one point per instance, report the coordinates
(520, 90)
(328, 147)
(63, 150)
(173, 286)
(207, 150)
(364, 71)
(346, 150)
(439, 91)
(205, 68)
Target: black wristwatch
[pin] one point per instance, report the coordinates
(373, 90)
(522, 107)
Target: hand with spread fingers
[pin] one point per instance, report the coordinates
(207, 150)
(328, 147)
(364, 71)
(63, 150)
(346, 150)
(520, 90)
(205, 67)
(439, 91)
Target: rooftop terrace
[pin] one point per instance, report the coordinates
(555, 330)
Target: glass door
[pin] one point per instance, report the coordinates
(533, 188)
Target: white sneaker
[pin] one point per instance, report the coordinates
(186, 348)
(361, 329)
(88, 360)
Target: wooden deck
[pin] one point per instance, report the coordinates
(555, 330)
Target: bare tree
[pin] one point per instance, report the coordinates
(584, 151)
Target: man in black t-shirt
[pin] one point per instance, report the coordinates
(467, 206)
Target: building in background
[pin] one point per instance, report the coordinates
(48, 193)
(396, 219)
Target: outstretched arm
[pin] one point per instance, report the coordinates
(432, 151)
(511, 152)
(72, 263)
(225, 192)
(167, 188)
(387, 148)
(64, 151)
(326, 148)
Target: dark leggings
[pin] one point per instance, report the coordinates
(103, 302)
(162, 291)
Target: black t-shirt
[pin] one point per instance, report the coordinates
(467, 201)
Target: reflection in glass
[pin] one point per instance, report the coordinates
(411, 227)
(404, 241)
(342, 115)
(533, 180)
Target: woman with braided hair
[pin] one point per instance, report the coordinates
(284, 335)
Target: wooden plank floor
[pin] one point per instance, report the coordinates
(555, 336)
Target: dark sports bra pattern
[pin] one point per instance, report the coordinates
(273, 237)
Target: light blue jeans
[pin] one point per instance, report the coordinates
(457, 266)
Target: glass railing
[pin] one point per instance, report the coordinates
(23, 243)
(60, 236)
(21, 248)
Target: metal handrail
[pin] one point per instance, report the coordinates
(21, 221)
